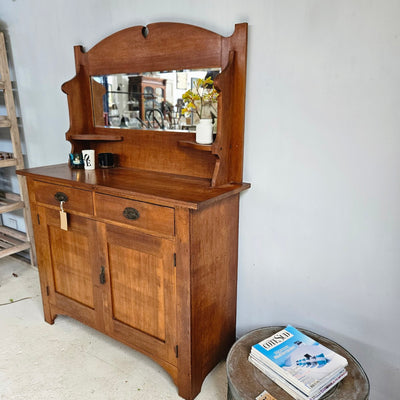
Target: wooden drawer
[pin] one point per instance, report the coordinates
(78, 200)
(136, 213)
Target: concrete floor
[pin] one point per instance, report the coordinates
(68, 360)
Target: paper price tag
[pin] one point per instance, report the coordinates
(63, 220)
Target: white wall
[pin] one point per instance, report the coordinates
(320, 227)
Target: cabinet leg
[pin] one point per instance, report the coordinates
(49, 320)
(188, 392)
(49, 317)
(189, 384)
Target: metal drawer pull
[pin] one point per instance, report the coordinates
(131, 213)
(60, 196)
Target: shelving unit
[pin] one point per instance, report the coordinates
(13, 241)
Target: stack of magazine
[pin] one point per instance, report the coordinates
(298, 364)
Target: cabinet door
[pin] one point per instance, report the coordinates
(141, 279)
(68, 260)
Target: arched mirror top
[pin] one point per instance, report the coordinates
(136, 79)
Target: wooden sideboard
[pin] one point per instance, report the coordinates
(149, 253)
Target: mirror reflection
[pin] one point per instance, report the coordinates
(151, 100)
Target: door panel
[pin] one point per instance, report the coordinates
(137, 289)
(142, 290)
(69, 262)
(71, 267)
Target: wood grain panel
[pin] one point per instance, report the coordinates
(151, 216)
(78, 200)
(138, 290)
(158, 151)
(142, 281)
(71, 260)
(71, 269)
(167, 46)
(214, 278)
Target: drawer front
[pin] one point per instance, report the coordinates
(136, 213)
(76, 199)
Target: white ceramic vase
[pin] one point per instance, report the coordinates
(204, 131)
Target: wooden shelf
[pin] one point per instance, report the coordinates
(4, 122)
(12, 241)
(8, 162)
(10, 202)
(105, 138)
(194, 145)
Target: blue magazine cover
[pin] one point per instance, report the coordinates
(300, 359)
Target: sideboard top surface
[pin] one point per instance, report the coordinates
(166, 189)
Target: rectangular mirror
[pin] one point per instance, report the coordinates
(150, 100)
